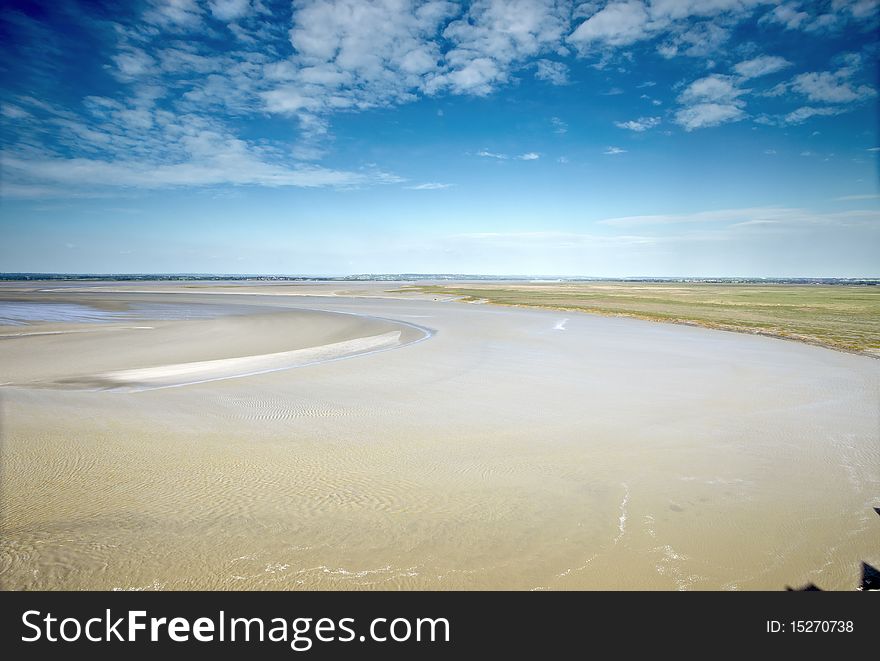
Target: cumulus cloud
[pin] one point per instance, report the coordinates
(180, 92)
(639, 125)
(494, 36)
(713, 88)
(761, 66)
(705, 115)
(830, 87)
(710, 101)
(688, 27)
(616, 24)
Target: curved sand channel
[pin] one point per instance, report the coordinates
(161, 355)
(512, 450)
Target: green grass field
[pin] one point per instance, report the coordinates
(838, 316)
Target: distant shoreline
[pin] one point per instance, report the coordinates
(409, 277)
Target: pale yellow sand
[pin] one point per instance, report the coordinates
(508, 450)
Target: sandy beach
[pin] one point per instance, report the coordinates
(343, 436)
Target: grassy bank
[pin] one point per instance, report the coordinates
(840, 316)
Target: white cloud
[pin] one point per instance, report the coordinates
(617, 24)
(804, 113)
(174, 14)
(133, 63)
(713, 88)
(553, 72)
(488, 154)
(828, 87)
(690, 27)
(493, 37)
(788, 15)
(145, 147)
(429, 186)
(229, 10)
(761, 66)
(701, 40)
(741, 217)
(559, 126)
(223, 168)
(529, 156)
(824, 17)
(13, 111)
(710, 101)
(705, 115)
(350, 55)
(613, 151)
(640, 124)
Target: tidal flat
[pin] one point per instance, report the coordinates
(469, 447)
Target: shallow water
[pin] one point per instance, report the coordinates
(16, 313)
(21, 313)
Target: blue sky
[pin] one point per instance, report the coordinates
(623, 138)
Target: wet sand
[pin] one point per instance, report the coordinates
(423, 444)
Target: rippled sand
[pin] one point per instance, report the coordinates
(480, 447)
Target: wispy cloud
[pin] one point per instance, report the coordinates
(429, 186)
(613, 151)
(750, 216)
(559, 127)
(555, 73)
(639, 125)
(557, 239)
(529, 156)
(854, 198)
(820, 17)
(762, 65)
(485, 153)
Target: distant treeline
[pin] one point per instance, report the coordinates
(398, 277)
